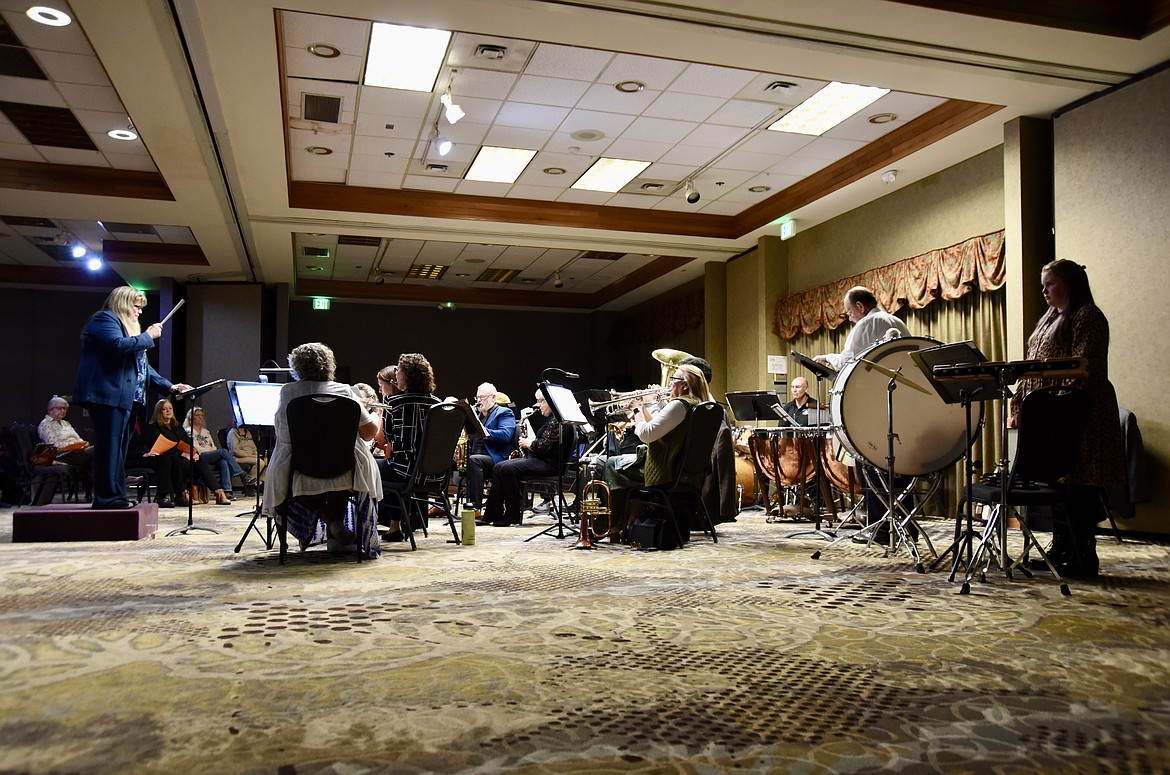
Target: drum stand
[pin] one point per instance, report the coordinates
(891, 499)
(820, 485)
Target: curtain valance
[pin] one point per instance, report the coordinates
(946, 273)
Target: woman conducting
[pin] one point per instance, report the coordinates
(111, 381)
(316, 509)
(1074, 326)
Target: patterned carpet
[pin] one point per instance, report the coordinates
(175, 655)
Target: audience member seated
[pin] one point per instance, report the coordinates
(72, 449)
(539, 457)
(406, 410)
(243, 448)
(210, 453)
(317, 509)
(163, 439)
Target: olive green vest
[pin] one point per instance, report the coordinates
(663, 457)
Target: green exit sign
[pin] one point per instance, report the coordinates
(320, 303)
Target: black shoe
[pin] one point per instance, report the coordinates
(543, 508)
(394, 537)
(166, 502)
(115, 506)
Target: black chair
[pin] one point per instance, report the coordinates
(430, 474)
(554, 487)
(321, 433)
(703, 426)
(1051, 423)
(34, 480)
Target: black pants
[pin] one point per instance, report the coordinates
(478, 467)
(506, 500)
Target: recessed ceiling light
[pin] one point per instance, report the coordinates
(587, 135)
(324, 50)
(473, 260)
(499, 165)
(50, 16)
(405, 57)
(554, 170)
(629, 87)
(319, 150)
(828, 108)
(759, 189)
(882, 118)
(610, 175)
(651, 186)
(122, 134)
(462, 274)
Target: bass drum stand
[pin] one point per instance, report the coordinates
(891, 499)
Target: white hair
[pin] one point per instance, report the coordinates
(487, 387)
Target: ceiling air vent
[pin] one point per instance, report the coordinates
(312, 252)
(600, 255)
(488, 51)
(321, 107)
(365, 242)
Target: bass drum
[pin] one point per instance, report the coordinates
(930, 433)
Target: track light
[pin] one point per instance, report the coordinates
(691, 193)
(452, 111)
(441, 144)
(93, 264)
(557, 281)
(78, 250)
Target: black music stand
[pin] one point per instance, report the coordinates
(822, 371)
(961, 389)
(191, 395)
(254, 405)
(566, 411)
(756, 406)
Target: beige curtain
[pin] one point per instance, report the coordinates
(978, 317)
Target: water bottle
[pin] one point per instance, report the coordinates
(469, 527)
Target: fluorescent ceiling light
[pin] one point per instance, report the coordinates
(610, 174)
(827, 108)
(450, 109)
(405, 57)
(499, 165)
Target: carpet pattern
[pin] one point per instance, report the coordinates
(176, 655)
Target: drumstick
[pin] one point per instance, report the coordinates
(174, 309)
(896, 375)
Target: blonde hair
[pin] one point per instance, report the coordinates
(695, 381)
(122, 302)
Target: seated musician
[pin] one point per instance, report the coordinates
(801, 401)
(172, 464)
(719, 489)
(243, 447)
(404, 415)
(664, 433)
(315, 509)
(500, 424)
(387, 386)
(540, 457)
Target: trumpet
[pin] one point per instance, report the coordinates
(658, 394)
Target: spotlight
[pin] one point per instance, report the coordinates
(93, 264)
(379, 280)
(452, 111)
(558, 282)
(443, 145)
(78, 250)
(691, 192)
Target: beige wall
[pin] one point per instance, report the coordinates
(1112, 173)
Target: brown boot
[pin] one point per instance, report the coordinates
(221, 498)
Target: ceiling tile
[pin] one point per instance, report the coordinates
(486, 84)
(301, 63)
(639, 150)
(543, 90)
(482, 188)
(829, 149)
(608, 99)
(640, 201)
(713, 81)
(423, 183)
(20, 152)
(515, 137)
(73, 156)
(517, 114)
(567, 62)
(659, 130)
(394, 103)
(689, 155)
(720, 137)
(83, 97)
(743, 113)
(684, 107)
(30, 90)
(72, 68)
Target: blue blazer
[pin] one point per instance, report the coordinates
(501, 428)
(107, 374)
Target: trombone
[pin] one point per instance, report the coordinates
(658, 393)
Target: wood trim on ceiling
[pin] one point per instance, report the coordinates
(153, 253)
(931, 127)
(1133, 19)
(343, 289)
(59, 276)
(79, 179)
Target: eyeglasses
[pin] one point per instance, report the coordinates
(677, 379)
(482, 398)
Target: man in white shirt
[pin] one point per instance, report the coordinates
(871, 324)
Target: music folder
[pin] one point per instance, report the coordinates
(195, 392)
(471, 422)
(952, 391)
(822, 370)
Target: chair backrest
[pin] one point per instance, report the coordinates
(436, 450)
(1051, 423)
(321, 432)
(221, 436)
(705, 419)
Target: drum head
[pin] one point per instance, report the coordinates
(930, 434)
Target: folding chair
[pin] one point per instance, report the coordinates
(703, 426)
(321, 431)
(430, 475)
(553, 487)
